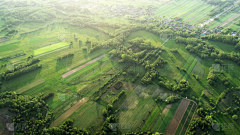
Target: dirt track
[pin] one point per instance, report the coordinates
(79, 68)
(177, 117)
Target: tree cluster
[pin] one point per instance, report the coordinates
(229, 39)
(22, 71)
(172, 99)
(181, 87)
(65, 56)
(118, 96)
(212, 78)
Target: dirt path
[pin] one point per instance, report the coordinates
(29, 86)
(177, 117)
(229, 20)
(79, 68)
(68, 112)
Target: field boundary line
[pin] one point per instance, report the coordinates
(82, 66)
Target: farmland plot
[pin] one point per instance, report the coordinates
(50, 48)
(177, 117)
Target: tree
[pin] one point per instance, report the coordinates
(234, 117)
(105, 113)
(126, 57)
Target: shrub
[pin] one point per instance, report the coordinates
(47, 96)
(118, 85)
(234, 117)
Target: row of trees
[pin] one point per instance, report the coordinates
(12, 56)
(65, 56)
(229, 39)
(204, 49)
(22, 71)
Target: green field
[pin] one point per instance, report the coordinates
(50, 48)
(163, 122)
(128, 86)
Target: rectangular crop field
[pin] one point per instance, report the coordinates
(50, 48)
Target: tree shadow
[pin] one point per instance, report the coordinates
(64, 63)
(88, 45)
(98, 106)
(80, 44)
(70, 46)
(85, 54)
(179, 56)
